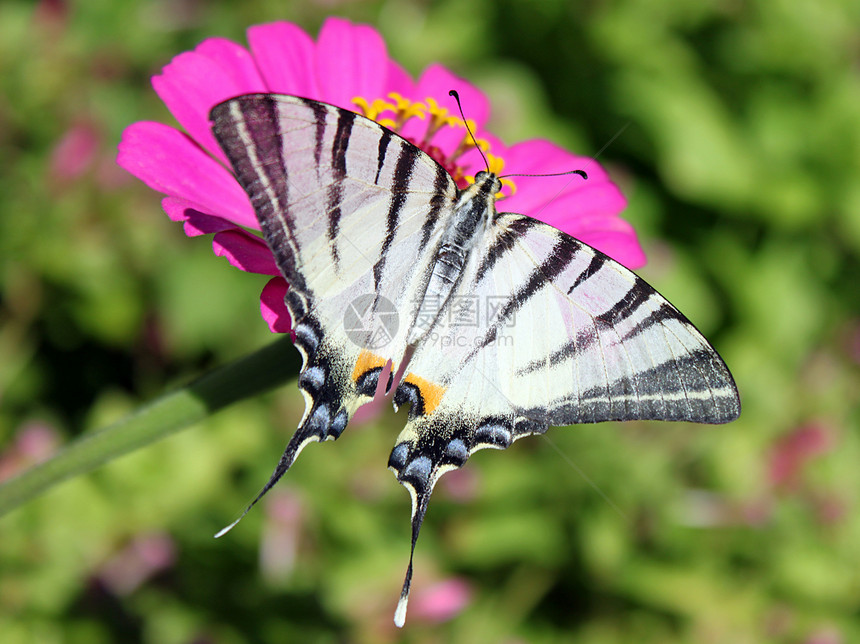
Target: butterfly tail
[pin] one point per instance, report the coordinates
(312, 430)
(419, 477)
(421, 499)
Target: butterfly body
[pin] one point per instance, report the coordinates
(497, 324)
(474, 210)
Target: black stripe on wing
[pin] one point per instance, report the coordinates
(638, 294)
(340, 146)
(320, 113)
(503, 244)
(438, 201)
(381, 152)
(406, 159)
(696, 387)
(578, 345)
(662, 313)
(596, 263)
(552, 266)
(247, 128)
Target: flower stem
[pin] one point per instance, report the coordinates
(251, 375)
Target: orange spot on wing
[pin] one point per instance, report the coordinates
(366, 361)
(431, 393)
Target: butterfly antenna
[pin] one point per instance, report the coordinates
(581, 173)
(456, 96)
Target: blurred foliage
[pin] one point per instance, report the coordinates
(738, 144)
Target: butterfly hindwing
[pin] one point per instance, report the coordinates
(544, 330)
(563, 334)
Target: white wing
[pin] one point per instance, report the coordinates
(352, 214)
(563, 334)
(545, 330)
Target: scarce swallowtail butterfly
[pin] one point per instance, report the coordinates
(374, 237)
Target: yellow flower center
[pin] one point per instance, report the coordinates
(395, 112)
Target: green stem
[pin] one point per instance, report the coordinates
(251, 375)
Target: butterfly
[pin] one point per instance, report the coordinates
(385, 256)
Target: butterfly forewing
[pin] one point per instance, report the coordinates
(575, 337)
(352, 215)
(347, 207)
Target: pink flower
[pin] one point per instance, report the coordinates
(75, 152)
(279, 542)
(347, 66)
(792, 452)
(143, 558)
(34, 443)
(442, 601)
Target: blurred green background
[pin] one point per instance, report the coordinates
(741, 162)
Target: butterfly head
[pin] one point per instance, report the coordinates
(487, 183)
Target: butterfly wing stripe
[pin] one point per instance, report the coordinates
(319, 120)
(576, 346)
(553, 265)
(662, 313)
(335, 189)
(502, 245)
(402, 172)
(252, 143)
(596, 263)
(437, 203)
(638, 295)
(381, 152)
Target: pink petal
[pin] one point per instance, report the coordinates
(272, 306)
(236, 62)
(351, 61)
(589, 199)
(441, 601)
(285, 55)
(398, 80)
(194, 82)
(169, 162)
(541, 157)
(245, 251)
(436, 82)
(585, 209)
(195, 223)
(590, 215)
(612, 236)
(791, 453)
(75, 152)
